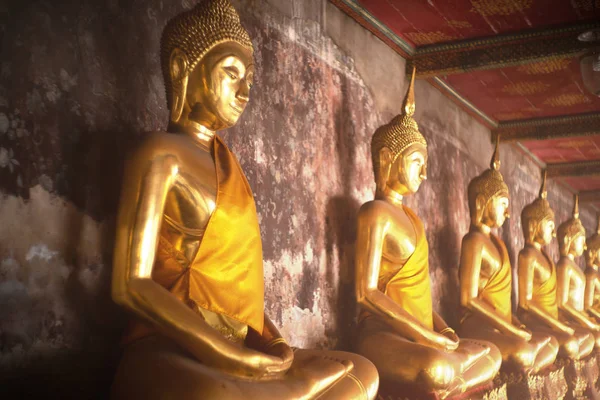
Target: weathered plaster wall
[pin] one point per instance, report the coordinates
(80, 83)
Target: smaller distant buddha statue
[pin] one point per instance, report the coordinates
(538, 304)
(188, 257)
(592, 275)
(409, 343)
(486, 280)
(571, 279)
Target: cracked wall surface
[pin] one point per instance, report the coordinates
(80, 84)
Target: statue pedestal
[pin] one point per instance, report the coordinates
(396, 391)
(549, 384)
(582, 378)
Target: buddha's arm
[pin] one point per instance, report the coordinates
(270, 342)
(595, 287)
(372, 229)
(440, 326)
(565, 274)
(526, 271)
(145, 188)
(590, 288)
(469, 274)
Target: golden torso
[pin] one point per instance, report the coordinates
(592, 283)
(575, 281)
(189, 205)
(491, 260)
(544, 279)
(398, 244)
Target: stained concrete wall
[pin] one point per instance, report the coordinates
(80, 83)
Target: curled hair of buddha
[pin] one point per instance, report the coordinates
(535, 213)
(570, 229)
(487, 186)
(197, 31)
(593, 245)
(400, 133)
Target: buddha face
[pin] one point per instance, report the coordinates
(578, 245)
(218, 88)
(496, 211)
(546, 231)
(409, 170)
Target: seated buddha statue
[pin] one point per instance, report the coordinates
(188, 257)
(591, 302)
(486, 280)
(571, 279)
(409, 343)
(538, 305)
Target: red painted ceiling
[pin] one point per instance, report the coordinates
(535, 90)
(583, 183)
(563, 150)
(421, 22)
(542, 89)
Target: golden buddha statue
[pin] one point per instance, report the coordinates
(188, 256)
(538, 305)
(399, 331)
(486, 279)
(571, 279)
(591, 301)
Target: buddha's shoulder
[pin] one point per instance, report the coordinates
(377, 209)
(474, 236)
(590, 272)
(529, 252)
(161, 144)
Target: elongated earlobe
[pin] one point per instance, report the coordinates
(179, 78)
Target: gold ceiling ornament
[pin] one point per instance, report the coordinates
(567, 100)
(525, 88)
(459, 24)
(545, 67)
(586, 5)
(575, 144)
(421, 38)
(489, 8)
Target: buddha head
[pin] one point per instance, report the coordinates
(537, 218)
(488, 195)
(592, 254)
(206, 57)
(571, 234)
(399, 151)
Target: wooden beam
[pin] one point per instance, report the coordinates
(357, 12)
(501, 50)
(582, 168)
(548, 128)
(589, 196)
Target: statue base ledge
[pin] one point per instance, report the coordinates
(549, 384)
(582, 377)
(407, 391)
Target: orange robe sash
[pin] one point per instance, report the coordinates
(226, 275)
(544, 295)
(498, 290)
(410, 287)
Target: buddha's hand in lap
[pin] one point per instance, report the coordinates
(264, 366)
(439, 341)
(319, 372)
(283, 351)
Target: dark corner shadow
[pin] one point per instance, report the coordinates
(449, 247)
(341, 221)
